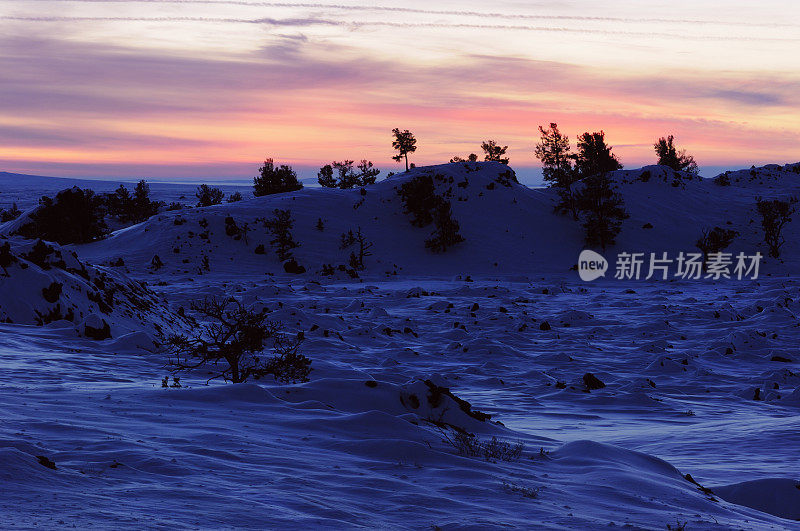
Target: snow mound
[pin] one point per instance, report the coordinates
(42, 283)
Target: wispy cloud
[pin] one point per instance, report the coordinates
(440, 12)
(355, 24)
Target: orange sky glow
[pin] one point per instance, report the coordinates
(194, 89)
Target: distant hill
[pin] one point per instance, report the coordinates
(509, 229)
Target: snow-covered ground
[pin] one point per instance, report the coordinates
(698, 421)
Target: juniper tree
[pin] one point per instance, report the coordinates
(602, 210)
(325, 177)
(142, 206)
(553, 151)
(775, 214)
(366, 173)
(405, 143)
(494, 152)
(668, 155)
(207, 195)
(594, 155)
(273, 179)
(445, 233)
(280, 227)
(74, 216)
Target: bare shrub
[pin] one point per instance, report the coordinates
(470, 445)
(231, 342)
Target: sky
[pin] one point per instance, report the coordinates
(206, 89)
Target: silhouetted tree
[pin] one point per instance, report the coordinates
(207, 195)
(602, 210)
(325, 177)
(594, 155)
(554, 152)
(668, 155)
(234, 197)
(775, 214)
(273, 179)
(143, 207)
(494, 152)
(366, 173)
(362, 250)
(405, 143)
(74, 216)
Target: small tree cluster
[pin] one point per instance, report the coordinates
(280, 227)
(234, 197)
(207, 195)
(715, 240)
(135, 207)
(74, 216)
(273, 179)
(669, 155)
(344, 175)
(775, 214)
(425, 206)
(231, 343)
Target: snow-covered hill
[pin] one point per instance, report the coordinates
(508, 229)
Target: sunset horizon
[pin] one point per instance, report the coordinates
(193, 89)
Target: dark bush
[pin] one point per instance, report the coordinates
(715, 240)
(273, 179)
(74, 216)
(10, 214)
(207, 195)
